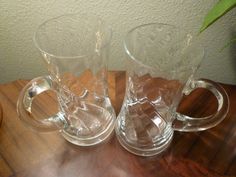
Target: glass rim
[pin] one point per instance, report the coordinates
(75, 56)
(151, 24)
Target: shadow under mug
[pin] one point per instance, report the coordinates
(75, 49)
(161, 61)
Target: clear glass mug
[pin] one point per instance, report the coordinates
(75, 49)
(161, 61)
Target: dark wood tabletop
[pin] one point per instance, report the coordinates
(24, 152)
(1, 116)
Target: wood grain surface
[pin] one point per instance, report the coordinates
(26, 153)
(1, 114)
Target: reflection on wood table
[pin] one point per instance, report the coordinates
(24, 152)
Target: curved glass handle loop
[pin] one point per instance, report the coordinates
(24, 103)
(190, 124)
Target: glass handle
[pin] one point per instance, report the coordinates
(24, 106)
(190, 124)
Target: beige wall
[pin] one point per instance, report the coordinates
(19, 19)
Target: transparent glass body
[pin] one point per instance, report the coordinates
(161, 60)
(75, 48)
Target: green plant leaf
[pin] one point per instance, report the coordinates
(216, 12)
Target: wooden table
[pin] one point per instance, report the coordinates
(24, 152)
(1, 116)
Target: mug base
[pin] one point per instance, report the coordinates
(90, 141)
(145, 151)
